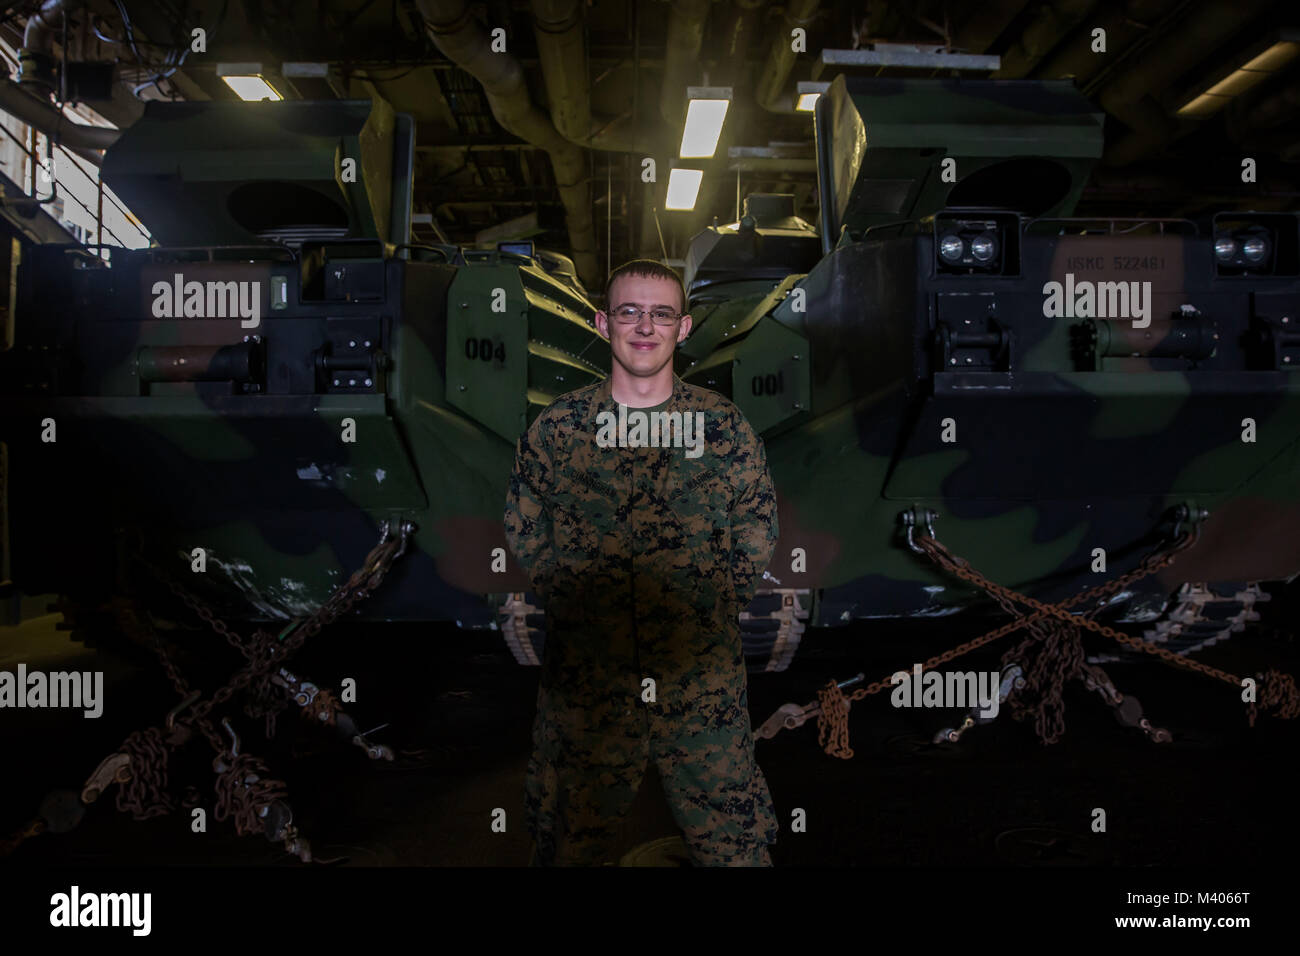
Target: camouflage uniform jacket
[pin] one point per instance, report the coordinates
(643, 557)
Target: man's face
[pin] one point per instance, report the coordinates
(643, 348)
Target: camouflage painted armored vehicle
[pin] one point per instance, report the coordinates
(946, 341)
(280, 377)
(1055, 389)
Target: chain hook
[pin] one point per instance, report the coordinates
(406, 530)
(234, 737)
(175, 711)
(910, 519)
(1188, 512)
(909, 523)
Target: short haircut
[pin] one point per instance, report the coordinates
(648, 268)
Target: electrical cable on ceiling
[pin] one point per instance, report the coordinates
(161, 76)
(126, 26)
(174, 56)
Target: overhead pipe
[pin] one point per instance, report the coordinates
(738, 35)
(772, 92)
(563, 53)
(462, 40)
(562, 49)
(38, 35)
(1132, 95)
(26, 100)
(681, 57)
(36, 65)
(43, 116)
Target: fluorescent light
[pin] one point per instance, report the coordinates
(246, 80)
(807, 94)
(1254, 71)
(252, 88)
(683, 188)
(704, 117)
(703, 127)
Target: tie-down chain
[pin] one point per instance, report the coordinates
(1277, 690)
(244, 789)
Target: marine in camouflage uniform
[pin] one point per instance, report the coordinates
(643, 557)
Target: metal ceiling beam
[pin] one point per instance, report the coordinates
(1051, 23)
(1123, 27)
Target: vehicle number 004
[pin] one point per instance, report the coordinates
(482, 349)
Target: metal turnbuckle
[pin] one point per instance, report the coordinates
(790, 716)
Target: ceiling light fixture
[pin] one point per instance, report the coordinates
(705, 113)
(805, 100)
(1259, 65)
(683, 188)
(247, 82)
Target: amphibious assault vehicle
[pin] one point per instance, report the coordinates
(1054, 397)
(245, 409)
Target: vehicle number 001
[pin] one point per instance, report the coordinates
(767, 384)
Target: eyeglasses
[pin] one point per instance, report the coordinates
(630, 315)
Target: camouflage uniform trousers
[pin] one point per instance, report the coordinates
(580, 786)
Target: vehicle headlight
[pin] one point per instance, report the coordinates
(1256, 243)
(951, 248)
(1255, 249)
(984, 247)
(1225, 247)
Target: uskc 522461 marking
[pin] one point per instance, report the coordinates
(1138, 262)
(1118, 263)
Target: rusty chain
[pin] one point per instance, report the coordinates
(962, 569)
(1060, 655)
(34, 827)
(1278, 691)
(143, 792)
(242, 789)
(265, 649)
(324, 708)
